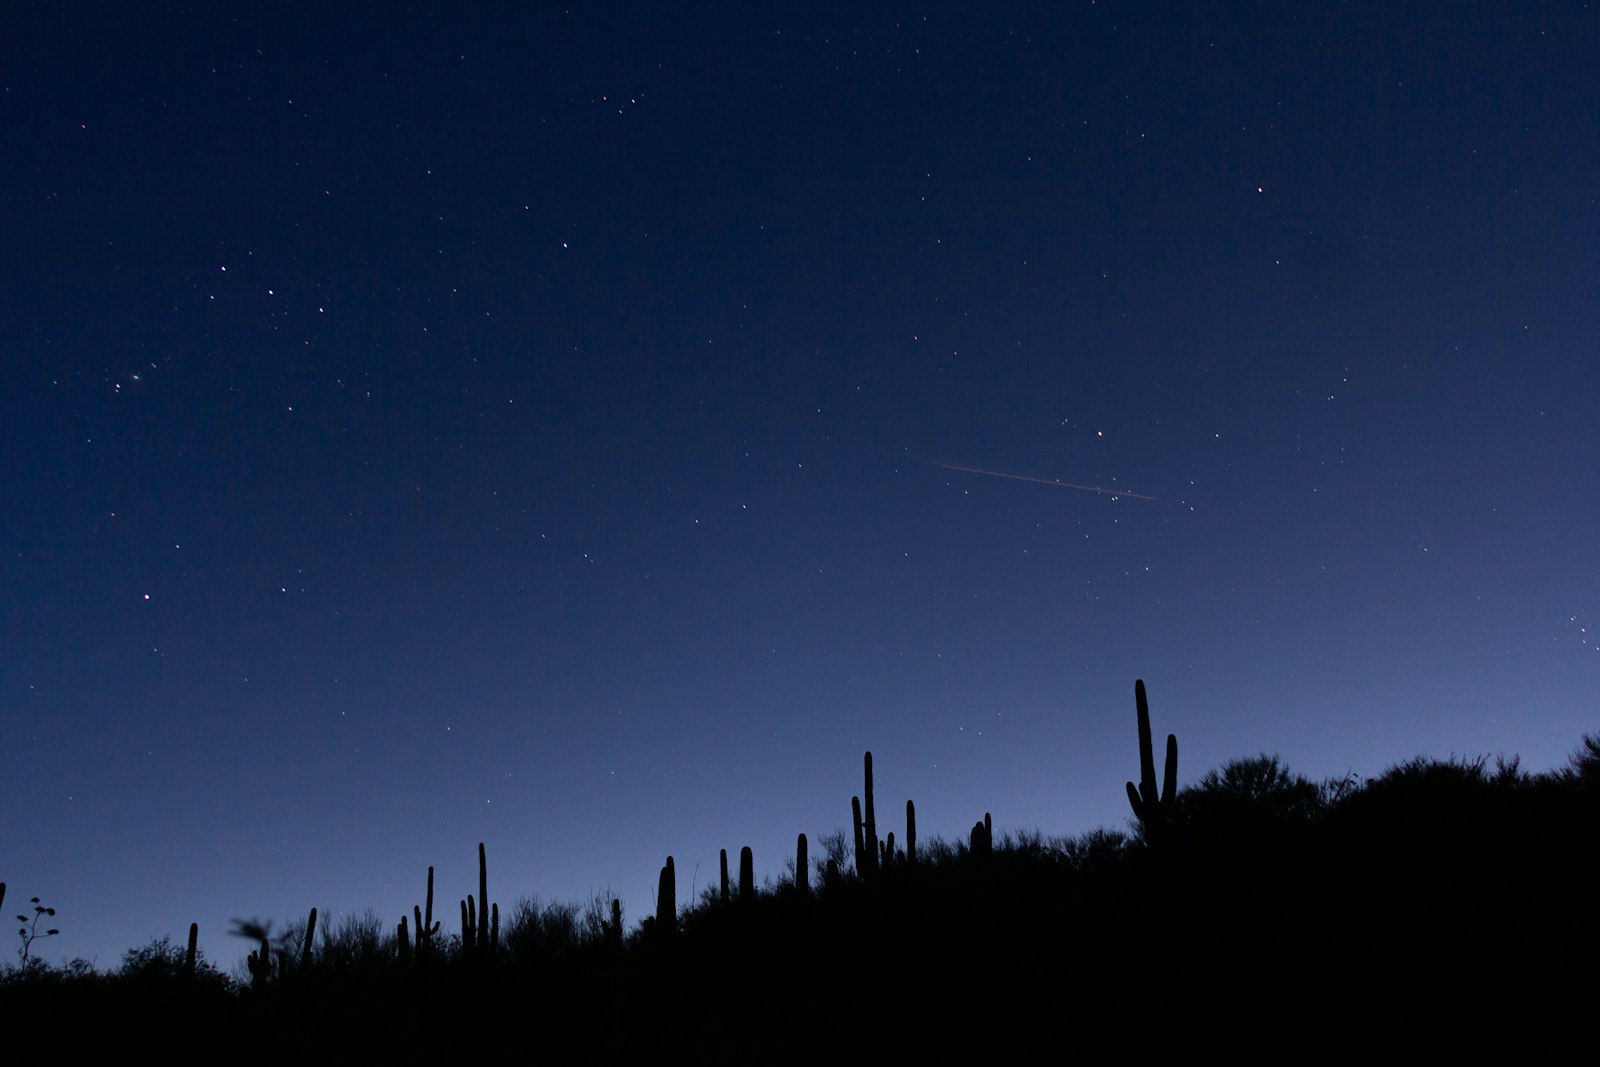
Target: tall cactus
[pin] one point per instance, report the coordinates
(483, 899)
(480, 919)
(724, 896)
(667, 899)
(747, 875)
(1152, 811)
(802, 876)
(427, 929)
(870, 826)
(614, 927)
(311, 933)
(911, 832)
(861, 848)
(188, 956)
(259, 964)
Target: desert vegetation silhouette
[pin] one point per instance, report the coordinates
(1442, 905)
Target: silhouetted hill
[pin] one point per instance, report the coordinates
(1443, 908)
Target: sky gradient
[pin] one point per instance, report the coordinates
(568, 429)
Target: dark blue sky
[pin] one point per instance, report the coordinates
(464, 424)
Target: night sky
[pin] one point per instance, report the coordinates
(580, 430)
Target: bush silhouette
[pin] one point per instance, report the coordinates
(1245, 800)
(159, 962)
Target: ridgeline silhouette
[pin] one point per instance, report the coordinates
(1443, 907)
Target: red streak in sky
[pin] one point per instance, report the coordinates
(1046, 481)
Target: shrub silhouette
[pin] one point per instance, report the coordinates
(536, 932)
(1584, 766)
(1094, 851)
(159, 962)
(359, 943)
(1245, 800)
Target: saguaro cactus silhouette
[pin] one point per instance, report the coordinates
(427, 928)
(981, 840)
(259, 963)
(667, 899)
(614, 927)
(311, 936)
(1151, 810)
(870, 824)
(483, 898)
(861, 848)
(911, 832)
(480, 920)
(189, 954)
(747, 875)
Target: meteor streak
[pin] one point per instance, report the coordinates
(1046, 481)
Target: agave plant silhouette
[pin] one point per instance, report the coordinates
(30, 931)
